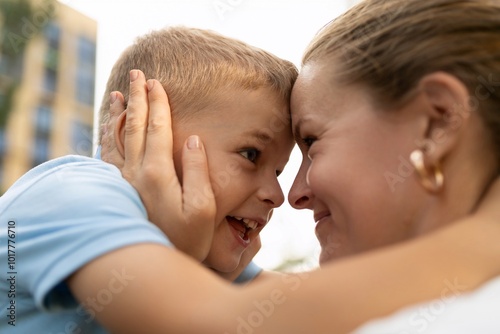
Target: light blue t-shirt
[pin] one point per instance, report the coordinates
(55, 219)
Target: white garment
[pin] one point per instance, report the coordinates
(477, 312)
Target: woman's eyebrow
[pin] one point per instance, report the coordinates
(296, 128)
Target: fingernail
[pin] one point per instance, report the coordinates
(134, 74)
(150, 84)
(112, 98)
(193, 142)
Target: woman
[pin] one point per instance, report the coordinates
(398, 99)
(396, 113)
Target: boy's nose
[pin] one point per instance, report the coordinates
(300, 195)
(272, 193)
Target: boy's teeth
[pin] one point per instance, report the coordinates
(251, 224)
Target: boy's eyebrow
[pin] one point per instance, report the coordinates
(261, 135)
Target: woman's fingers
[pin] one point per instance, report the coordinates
(136, 119)
(195, 235)
(111, 149)
(159, 132)
(186, 213)
(198, 197)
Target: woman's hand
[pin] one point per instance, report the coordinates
(142, 149)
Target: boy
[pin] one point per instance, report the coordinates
(235, 97)
(227, 92)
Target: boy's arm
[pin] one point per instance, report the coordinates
(184, 213)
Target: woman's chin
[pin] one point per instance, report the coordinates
(328, 256)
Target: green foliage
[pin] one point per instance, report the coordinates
(13, 12)
(6, 103)
(20, 22)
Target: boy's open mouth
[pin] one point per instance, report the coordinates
(242, 225)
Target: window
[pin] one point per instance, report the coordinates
(86, 51)
(52, 59)
(49, 80)
(86, 71)
(85, 87)
(53, 33)
(40, 151)
(3, 144)
(43, 126)
(82, 139)
(43, 120)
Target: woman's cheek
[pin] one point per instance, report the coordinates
(316, 179)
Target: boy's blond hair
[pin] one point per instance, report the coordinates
(196, 65)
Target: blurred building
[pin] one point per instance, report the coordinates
(46, 87)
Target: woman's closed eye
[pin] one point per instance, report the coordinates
(308, 141)
(251, 154)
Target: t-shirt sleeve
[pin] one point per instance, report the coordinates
(248, 274)
(69, 216)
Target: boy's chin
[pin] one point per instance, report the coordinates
(223, 264)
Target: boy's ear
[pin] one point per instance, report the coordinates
(447, 109)
(120, 133)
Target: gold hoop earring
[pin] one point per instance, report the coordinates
(432, 183)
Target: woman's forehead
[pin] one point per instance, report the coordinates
(314, 91)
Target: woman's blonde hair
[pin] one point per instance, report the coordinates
(389, 45)
(195, 66)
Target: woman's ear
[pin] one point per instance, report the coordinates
(120, 133)
(446, 103)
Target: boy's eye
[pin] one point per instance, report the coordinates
(251, 154)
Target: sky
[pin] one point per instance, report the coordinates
(283, 27)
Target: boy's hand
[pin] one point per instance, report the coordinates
(186, 214)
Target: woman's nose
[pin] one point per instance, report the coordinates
(300, 195)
